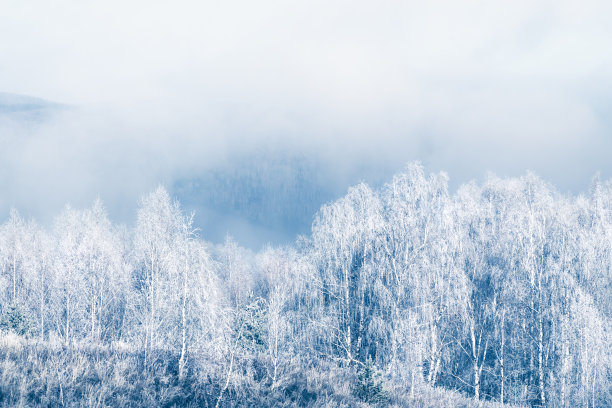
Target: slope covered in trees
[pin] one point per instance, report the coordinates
(406, 295)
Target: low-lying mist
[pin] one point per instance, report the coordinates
(260, 183)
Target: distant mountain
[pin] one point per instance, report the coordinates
(26, 108)
(265, 197)
(269, 196)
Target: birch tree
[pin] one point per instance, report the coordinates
(13, 250)
(70, 302)
(159, 226)
(344, 237)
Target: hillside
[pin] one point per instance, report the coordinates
(35, 373)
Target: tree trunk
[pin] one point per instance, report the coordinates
(231, 367)
(501, 359)
(93, 317)
(475, 362)
(14, 278)
(227, 381)
(183, 326)
(434, 358)
(541, 362)
(476, 382)
(476, 348)
(67, 320)
(347, 315)
(149, 324)
(42, 310)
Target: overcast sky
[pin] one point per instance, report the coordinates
(160, 89)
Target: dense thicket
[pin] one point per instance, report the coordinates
(501, 291)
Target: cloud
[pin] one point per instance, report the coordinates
(166, 90)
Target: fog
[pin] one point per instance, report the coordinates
(155, 92)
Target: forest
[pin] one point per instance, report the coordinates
(497, 294)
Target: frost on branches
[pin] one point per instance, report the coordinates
(499, 292)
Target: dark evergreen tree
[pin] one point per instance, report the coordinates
(15, 320)
(369, 387)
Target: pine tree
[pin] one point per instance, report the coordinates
(15, 320)
(369, 387)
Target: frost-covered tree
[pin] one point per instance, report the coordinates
(159, 231)
(177, 301)
(344, 239)
(197, 305)
(40, 278)
(89, 275)
(13, 251)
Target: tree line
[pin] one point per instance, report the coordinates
(501, 290)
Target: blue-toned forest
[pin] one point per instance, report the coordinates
(405, 295)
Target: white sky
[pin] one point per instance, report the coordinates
(163, 87)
